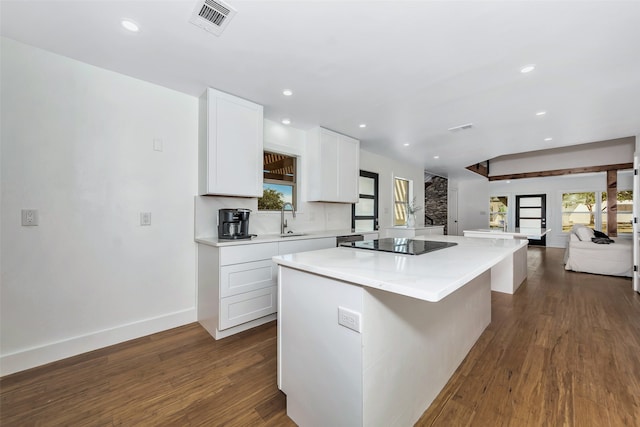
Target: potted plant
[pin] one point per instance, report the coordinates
(412, 209)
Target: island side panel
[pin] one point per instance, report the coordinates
(508, 274)
(319, 361)
(412, 347)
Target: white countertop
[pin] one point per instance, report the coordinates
(404, 227)
(267, 238)
(429, 277)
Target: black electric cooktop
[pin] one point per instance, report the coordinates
(400, 246)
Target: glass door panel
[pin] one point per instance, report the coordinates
(531, 213)
(364, 214)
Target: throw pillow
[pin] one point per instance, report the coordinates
(597, 233)
(584, 233)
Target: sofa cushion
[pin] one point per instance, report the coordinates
(584, 233)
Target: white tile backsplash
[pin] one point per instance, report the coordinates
(312, 216)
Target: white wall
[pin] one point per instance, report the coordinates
(386, 169)
(553, 187)
(77, 145)
(473, 202)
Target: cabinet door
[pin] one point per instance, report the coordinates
(329, 150)
(234, 144)
(333, 167)
(348, 169)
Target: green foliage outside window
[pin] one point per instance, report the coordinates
(271, 200)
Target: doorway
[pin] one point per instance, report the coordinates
(531, 212)
(364, 214)
(452, 225)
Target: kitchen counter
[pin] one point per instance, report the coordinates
(429, 277)
(382, 332)
(267, 238)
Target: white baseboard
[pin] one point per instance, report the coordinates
(30, 358)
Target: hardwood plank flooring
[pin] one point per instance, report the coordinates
(564, 350)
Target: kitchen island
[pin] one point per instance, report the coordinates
(371, 338)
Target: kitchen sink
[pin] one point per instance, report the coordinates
(292, 234)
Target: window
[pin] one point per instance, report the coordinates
(624, 213)
(582, 208)
(402, 189)
(498, 212)
(279, 187)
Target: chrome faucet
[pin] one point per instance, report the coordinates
(283, 222)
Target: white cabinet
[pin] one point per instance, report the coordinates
(333, 167)
(238, 285)
(230, 145)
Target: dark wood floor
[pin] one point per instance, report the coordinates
(564, 350)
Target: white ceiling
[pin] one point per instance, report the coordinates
(408, 69)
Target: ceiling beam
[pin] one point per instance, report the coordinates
(559, 172)
(279, 164)
(480, 169)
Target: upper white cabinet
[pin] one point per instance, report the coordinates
(230, 145)
(333, 167)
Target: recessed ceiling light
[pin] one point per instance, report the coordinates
(286, 121)
(287, 92)
(130, 25)
(508, 182)
(527, 68)
(541, 113)
(548, 139)
(436, 157)
(363, 125)
(406, 144)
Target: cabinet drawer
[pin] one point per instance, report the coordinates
(247, 253)
(249, 276)
(242, 308)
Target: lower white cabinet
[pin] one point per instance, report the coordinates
(243, 308)
(238, 285)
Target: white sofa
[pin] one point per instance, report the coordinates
(583, 255)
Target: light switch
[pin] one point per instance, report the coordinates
(145, 218)
(157, 144)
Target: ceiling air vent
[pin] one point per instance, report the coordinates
(212, 16)
(461, 127)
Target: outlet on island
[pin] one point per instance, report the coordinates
(349, 318)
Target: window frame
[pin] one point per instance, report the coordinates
(404, 204)
(293, 184)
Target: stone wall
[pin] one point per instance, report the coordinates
(435, 202)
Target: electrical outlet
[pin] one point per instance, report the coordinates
(349, 318)
(157, 144)
(29, 217)
(145, 218)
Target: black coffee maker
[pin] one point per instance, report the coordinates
(233, 224)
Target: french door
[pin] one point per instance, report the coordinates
(531, 212)
(364, 214)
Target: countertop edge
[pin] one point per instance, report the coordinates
(270, 238)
